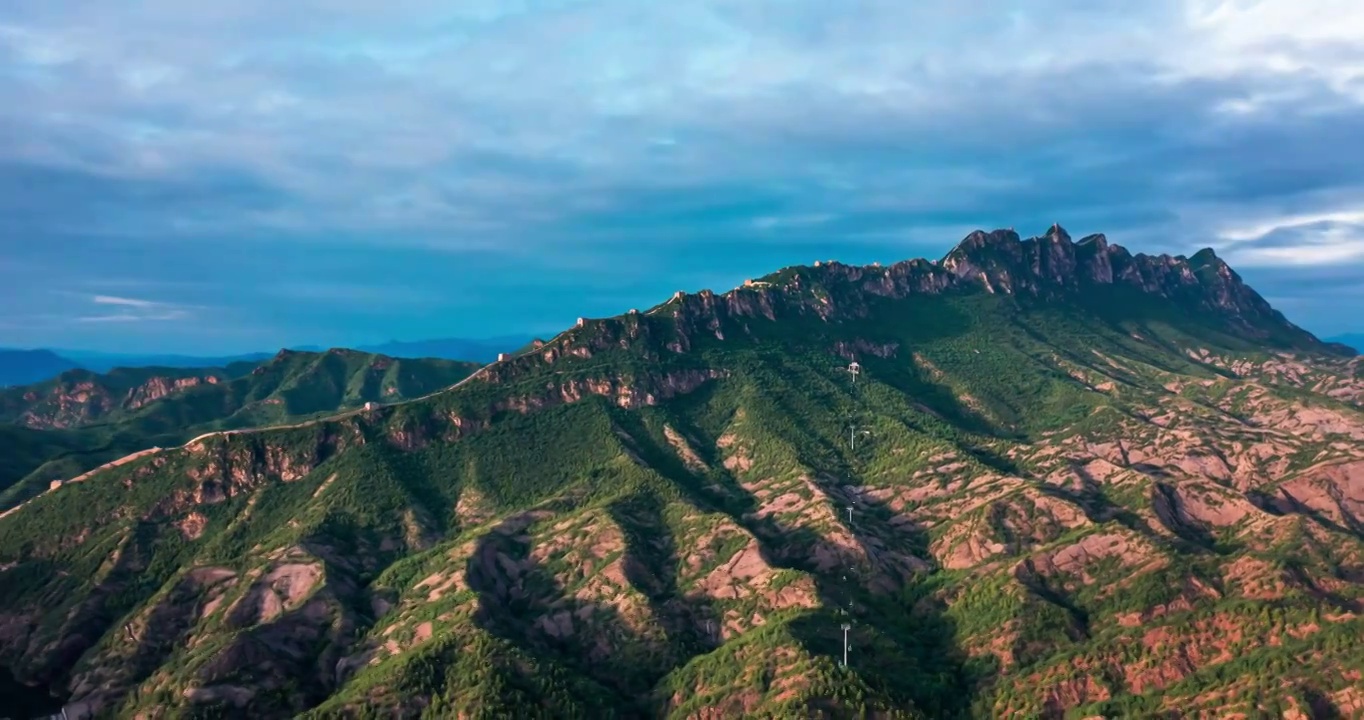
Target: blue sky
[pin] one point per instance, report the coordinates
(222, 177)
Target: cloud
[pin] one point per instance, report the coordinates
(576, 135)
(1295, 242)
(130, 302)
(134, 310)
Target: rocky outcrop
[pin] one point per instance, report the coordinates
(226, 465)
(630, 392)
(1052, 265)
(81, 397)
(160, 387)
(1048, 267)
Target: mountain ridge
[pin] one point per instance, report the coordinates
(103, 416)
(695, 314)
(1205, 278)
(1028, 504)
(83, 397)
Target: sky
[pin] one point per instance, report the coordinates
(227, 177)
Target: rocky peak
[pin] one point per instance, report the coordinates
(158, 387)
(1053, 266)
(285, 357)
(1206, 257)
(1049, 267)
(980, 245)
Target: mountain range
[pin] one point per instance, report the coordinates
(65, 426)
(23, 367)
(1035, 478)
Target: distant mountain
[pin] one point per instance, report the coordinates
(1068, 481)
(476, 350)
(104, 362)
(21, 367)
(485, 350)
(1354, 341)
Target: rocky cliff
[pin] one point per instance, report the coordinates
(1050, 268)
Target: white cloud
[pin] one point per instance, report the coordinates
(133, 310)
(1327, 239)
(130, 302)
(776, 222)
(1308, 255)
(1242, 233)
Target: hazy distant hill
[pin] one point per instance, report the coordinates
(21, 367)
(485, 350)
(29, 366)
(104, 362)
(1352, 340)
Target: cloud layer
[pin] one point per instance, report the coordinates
(422, 168)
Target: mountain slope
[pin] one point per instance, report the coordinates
(290, 384)
(106, 416)
(1082, 482)
(81, 397)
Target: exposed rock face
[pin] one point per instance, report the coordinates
(81, 397)
(628, 392)
(1336, 491)
(160, 387)
(1052, 265)
(1044, 268)
(861, 348)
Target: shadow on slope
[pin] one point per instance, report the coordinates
(939, 399)
(523, 603)
(25, 701)
(905, 634)
(903, 647)
(650, 564)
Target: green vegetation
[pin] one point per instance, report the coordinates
(644, 519)
(81, 420)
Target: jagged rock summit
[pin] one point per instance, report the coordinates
(1053, 264)
(1004, 262)
(1051, 268)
